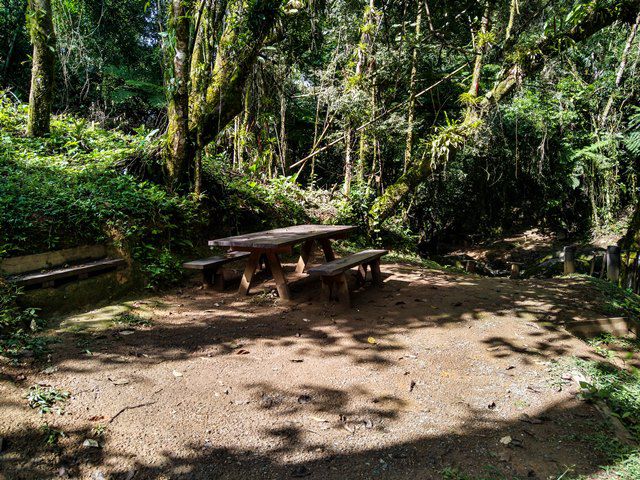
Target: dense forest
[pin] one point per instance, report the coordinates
(438, 121)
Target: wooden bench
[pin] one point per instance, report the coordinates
(211, 268)
(334, 279)
(57, 276)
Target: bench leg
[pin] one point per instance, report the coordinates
(375, 272)
(305, 256)
(362, 274)
(213, 278)
(327, 287)
(329, 256)
(278, 276)
(343, 290)
(249, 272)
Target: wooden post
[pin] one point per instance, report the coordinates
(515, 270)
(470, 266)
(604, 265)
(593, 264)
(613, 263)
(569, 260)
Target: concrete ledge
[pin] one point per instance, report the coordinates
(618, 326)
(47, 260)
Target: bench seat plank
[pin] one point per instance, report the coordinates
(212, 262)
(341, 265)
(68, 272)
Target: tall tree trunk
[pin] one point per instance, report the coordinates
(348, 167)
(412, 92)
(480, 42)
(283, 131)
(179, 146)
(596, 19)
(514, 10)
(621, 68)
(43, 38)
(219, 99)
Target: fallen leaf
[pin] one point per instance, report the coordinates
(119, 381)
(127, 332)
(372, 341)
(319, 419)
(242, 352)
(50, 370)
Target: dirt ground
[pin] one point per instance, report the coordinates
(432, 371)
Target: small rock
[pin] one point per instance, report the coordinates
(303, 399)
(50, 370)
(91, 443)
(177, 373)
(506, 440)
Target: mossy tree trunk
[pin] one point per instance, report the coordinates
(210, 73)
(219, 99)
(179, 145)
(40, 23)
(530, 61)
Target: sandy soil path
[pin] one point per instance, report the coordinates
(428, 373)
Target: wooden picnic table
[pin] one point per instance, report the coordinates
(271, 243)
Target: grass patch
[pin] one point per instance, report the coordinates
(129, 319)
(620, 391)
(616, 301)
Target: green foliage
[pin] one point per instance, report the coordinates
(11, 315)
(47, 399)
(51, 435)
(619, 389)
(74, 188)
(616, 301)
(15, 345)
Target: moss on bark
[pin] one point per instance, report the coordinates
(40, 23)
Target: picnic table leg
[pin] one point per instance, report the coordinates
(278, 276)
(305, 256)
(249, 272)
(329, 256)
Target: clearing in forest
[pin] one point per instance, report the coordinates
(436, 375)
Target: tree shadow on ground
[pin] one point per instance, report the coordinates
(202, 324)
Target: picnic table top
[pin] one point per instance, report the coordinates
(283, 237)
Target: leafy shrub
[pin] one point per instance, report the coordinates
(12, 316)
